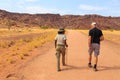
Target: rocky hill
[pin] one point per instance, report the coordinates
(56, 20)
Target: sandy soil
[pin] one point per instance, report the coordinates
(43, 67)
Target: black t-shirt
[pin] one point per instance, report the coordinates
(95, 34)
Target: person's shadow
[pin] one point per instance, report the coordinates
(104, 68)
(71, 67)
(100, 68)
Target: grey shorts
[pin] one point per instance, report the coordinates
(94, 47)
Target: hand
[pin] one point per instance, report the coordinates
(89, 45)
(66, 45)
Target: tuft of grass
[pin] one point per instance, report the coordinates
(11, 60)
(27, 40)
(25, 54)
(21, 56)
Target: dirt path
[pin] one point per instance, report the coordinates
(44, 66)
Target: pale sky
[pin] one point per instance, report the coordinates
(74, 7)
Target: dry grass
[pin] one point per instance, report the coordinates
(12, 32)
(13, 50)
(113, 36)
(16, 51)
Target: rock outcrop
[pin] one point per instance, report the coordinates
(56, 20)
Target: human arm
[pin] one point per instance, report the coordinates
(55, 43)
(56, 40)
(102, 38)
(89, 41)
(89, 38)
(66, 43)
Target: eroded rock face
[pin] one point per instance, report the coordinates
(56, 20)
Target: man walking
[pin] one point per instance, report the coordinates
(95, 36)
(60, 44)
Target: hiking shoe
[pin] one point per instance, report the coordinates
(95, 69)
(89, 65)
(64, 64)
(59, 70)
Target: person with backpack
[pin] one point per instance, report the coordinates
(95, 36)
(60, 44)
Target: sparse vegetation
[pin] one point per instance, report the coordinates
(44, 27)
(113, 35)
(18, 44)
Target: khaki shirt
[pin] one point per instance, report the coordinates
(60, 39)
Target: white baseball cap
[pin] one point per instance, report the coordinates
(93, 23)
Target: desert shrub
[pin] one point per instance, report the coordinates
(4, 44)
(111, 30)
(44, 27)
(11, 60)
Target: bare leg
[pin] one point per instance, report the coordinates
(96, 61)
(90, 58)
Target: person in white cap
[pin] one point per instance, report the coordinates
(95, 36)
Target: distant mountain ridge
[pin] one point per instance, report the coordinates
(56, 20)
